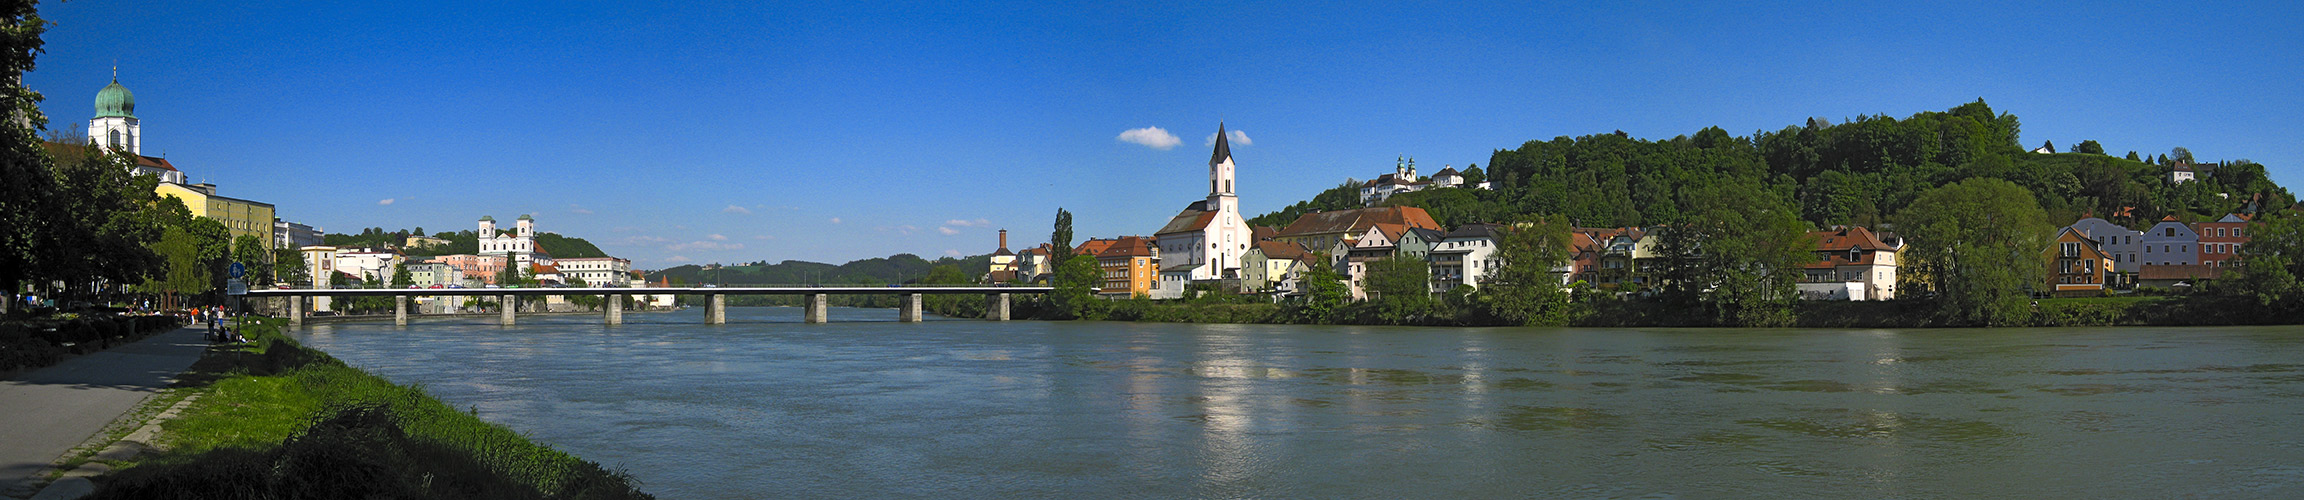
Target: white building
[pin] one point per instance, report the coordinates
(370, 265)
(1402, 179)
(2170, 243)
(2181, 173)
(596, 271)
(115, 125)
(319, 265)
(520, 245)
(1465, 256)
(293, 235)
(1206, 240)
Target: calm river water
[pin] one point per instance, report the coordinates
(869, 408)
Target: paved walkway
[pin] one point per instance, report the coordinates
(46, 412)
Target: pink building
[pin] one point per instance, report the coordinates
(479, 267)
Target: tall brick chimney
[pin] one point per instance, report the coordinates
(1003, 239)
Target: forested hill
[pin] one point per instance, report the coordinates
(901, 267)
(460, 242)
(1858, 172)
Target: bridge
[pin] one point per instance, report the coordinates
(715, 303)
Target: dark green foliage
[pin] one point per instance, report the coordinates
(2088, 147)
(1325, 292)
(1526, 290)
(1976, 246)
(1400, 288)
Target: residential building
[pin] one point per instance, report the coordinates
(1003, 263)
(319, 264)
(2170, 243)
(477, 269)
(1617, 257)
(595, 271)
(428, 274)
(239, 217)
(294, 235)
(2077, 264)
(1324, 229)
(2046, 147)
(1417, 242)
(1034, 265)
(2126, 246)
(1465, 256)
(372, 266)
(1130, 265)
(2181, 172)
(2220, 241)
(1852, 263)
(1273, 266)
(1204, 242)
(1378, 243)
(547, 273)
(1448, 177)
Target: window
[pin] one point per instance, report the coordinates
(115, 138)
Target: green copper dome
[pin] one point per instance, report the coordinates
(115, 100)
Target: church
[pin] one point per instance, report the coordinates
(116, 127)
(1204, 243)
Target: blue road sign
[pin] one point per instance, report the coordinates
(239, 270)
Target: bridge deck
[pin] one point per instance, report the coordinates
(828, 290)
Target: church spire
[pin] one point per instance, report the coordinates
(1223, 147)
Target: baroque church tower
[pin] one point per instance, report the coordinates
(115, 124)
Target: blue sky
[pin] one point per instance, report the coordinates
(733, 132)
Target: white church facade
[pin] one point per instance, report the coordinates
(1204, 242)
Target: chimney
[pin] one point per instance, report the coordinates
(1003, 239)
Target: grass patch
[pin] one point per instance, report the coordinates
(277, 420)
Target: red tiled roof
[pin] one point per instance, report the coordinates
(1128, 246)
(1092, 246)
(1279, 250)
(1356, 221)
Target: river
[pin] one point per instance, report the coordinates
(866, 407)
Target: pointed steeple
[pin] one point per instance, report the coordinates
(1223, 146)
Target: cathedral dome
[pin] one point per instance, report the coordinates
(115, 100)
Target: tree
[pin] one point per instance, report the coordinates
(401, 278)
(2132, 156)
(1473, 176)
(288, 266)
(2271, 261)
(186, 273)
(1324, 290)
(1525, 290)
(249, 251)
(2089, 147)
(1739, 252)
(1976, 245)
(2180, 155)
(1401, 288)
(1075, 274)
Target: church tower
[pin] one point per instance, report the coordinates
(1221, 198)
(115, 124)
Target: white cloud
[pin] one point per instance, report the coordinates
(732, 209)
(716, 237)
(835, 220)
(947, 231)
(677, 258)
(968, 223)
(1151, 137)
(952, 252)
(1238, 139)
(386, 201)
(644, 240)
(704, 245)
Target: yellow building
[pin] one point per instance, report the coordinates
(241, 217)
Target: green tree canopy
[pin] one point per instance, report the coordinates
(1976, 246)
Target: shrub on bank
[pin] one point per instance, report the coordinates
(283, 421)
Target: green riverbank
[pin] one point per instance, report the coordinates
(277, 420)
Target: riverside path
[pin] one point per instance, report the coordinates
(46, 412)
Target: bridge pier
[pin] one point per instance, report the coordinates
(399, 310)
(910, 311)
(996, 307)
(815, 309)
(615, 307)
(295, 310)
(715, 309)
(508, 303)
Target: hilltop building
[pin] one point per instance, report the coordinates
(520, 246)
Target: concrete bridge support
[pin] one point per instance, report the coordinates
(910, 311)
(996, 307)
(508, 303)
(399, 310)
(296, 311)
(715, 309)
(817, 309)
(615, 307)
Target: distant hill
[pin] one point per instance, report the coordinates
(460, 242)
(903, 267)
(1858, 172)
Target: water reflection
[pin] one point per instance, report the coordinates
(767, 406)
